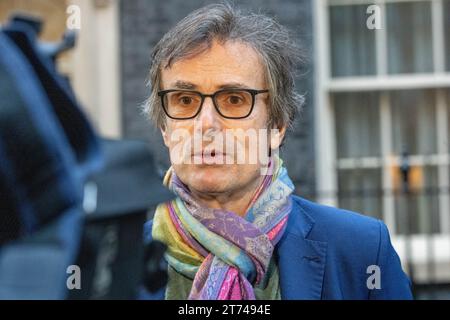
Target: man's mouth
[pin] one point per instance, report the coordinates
(210, 157)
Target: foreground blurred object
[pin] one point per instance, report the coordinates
(57, 208)
(113, 257)
(47, 149)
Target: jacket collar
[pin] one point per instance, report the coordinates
(301, 260)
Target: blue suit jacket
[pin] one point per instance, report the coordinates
(325, 253)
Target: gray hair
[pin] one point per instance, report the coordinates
(223, 22)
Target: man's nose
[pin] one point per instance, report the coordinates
(208, 117)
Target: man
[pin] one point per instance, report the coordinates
(219, 79)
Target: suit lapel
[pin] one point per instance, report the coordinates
(301, 261)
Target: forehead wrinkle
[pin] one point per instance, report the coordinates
(223, 66)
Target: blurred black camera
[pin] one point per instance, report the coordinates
(72, 205)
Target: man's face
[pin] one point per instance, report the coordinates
(223, 66)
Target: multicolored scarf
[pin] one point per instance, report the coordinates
(223, 253)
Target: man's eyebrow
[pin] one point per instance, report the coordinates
(180, 84)
(233, 85)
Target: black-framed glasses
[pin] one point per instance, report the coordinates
(229, 103)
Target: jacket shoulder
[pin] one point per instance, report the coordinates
(355, 244)
(353, 240)
(332, 224)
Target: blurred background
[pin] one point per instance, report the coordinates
(373, 136)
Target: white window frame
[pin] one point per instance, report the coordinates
(325, 86)
(95, 64)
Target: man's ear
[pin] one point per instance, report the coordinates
(277, 136)
(164, 135)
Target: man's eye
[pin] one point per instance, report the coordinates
(234, 99)
(186, 100)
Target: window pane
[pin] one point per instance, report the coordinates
(417, 211)
(360, 191)
(447, 31)
(413, 122)
(357, 124)
(352, 43)
(409, 36)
